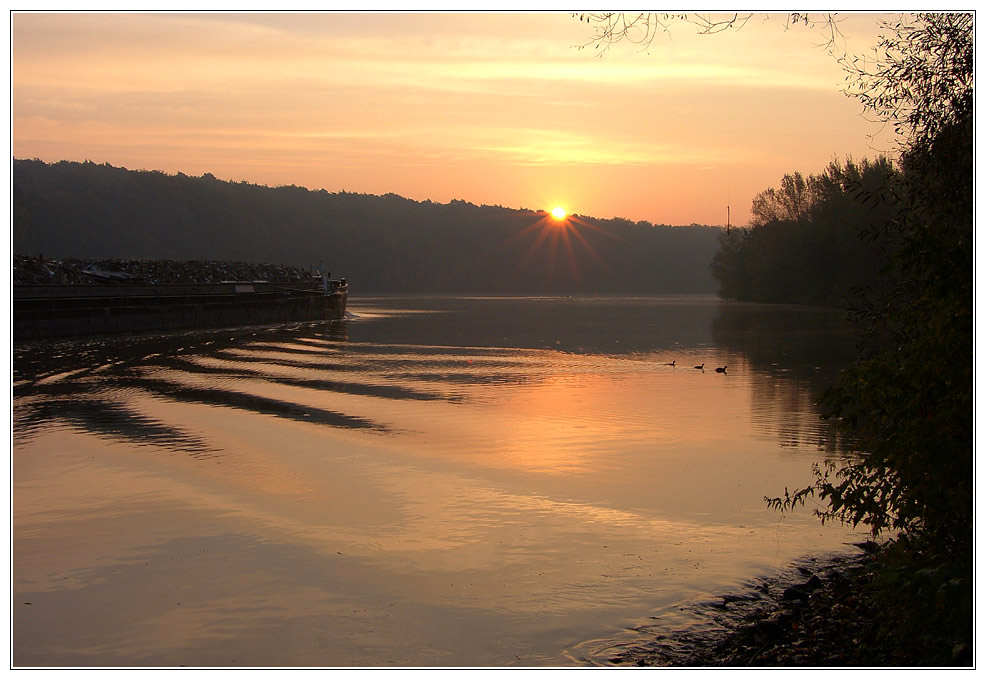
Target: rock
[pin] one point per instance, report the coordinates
(796, 592)
(869, 547)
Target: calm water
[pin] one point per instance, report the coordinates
(434, 481)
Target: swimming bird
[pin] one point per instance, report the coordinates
(671, 364)
(721, 370)
(702, 367)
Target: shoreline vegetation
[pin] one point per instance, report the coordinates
(908, 401)
(812, 240)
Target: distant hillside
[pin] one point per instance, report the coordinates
(380, 243)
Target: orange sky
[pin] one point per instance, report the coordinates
(498, 109)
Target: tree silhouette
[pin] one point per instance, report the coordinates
(813, 241)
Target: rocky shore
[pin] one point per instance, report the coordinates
(40, 270)
(820, 615)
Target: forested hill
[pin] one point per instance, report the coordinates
(380, 243)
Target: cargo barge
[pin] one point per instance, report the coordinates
(63, 310)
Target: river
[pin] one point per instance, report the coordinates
(434, 481)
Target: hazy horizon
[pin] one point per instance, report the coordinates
(385, 193)
(492, 109)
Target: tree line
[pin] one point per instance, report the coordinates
(383, 244)
(815, 240)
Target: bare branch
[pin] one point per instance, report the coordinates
(642, 28)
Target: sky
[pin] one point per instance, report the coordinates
(495, 109)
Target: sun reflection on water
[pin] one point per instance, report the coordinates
(530, 495)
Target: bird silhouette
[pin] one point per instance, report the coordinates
(702, 367)
(721, 370)
(671, 364)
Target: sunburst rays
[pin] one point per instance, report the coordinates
(555, 243)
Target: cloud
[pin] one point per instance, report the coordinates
(255, 93)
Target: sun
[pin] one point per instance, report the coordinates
(558, 238)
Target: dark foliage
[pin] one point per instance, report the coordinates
(815, 240)
(908, 401)
(380, 243)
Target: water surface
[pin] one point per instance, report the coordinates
(433, 481)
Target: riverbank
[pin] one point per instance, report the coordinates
(822, 614)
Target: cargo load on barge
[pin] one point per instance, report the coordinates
(60, 299)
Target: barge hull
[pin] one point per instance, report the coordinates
(64, 311)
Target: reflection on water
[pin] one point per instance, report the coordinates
(800, 350)
(459, 481)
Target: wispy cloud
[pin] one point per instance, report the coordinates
(390, 92)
